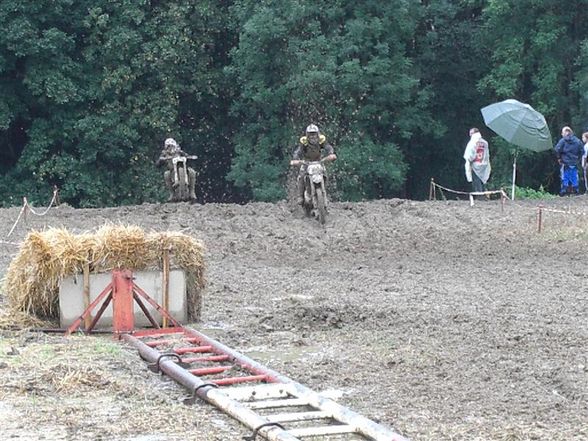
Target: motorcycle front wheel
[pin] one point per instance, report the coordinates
(182, 189)
(321, 206)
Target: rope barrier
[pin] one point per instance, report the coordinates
(434, 186)
(9, 243)
(22, 210)
(467, 193)
(541, 209)
(27, 207)
(569, 211)
(32, 210)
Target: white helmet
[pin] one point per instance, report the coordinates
(312, 129)
(170, 142)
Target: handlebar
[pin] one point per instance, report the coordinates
(167, 158)
(306, 162)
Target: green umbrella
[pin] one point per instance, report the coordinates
(519, 124)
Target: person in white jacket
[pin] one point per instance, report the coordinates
(477, 161)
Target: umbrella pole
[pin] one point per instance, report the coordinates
(514, 177)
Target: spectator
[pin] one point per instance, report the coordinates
(584, 156)
(477, 161)
(569, 150)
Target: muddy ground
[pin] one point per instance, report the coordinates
(441, 320)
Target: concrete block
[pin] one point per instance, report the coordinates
(71, 297)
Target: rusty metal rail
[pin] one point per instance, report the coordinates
(273, 406)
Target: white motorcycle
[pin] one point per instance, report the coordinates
(179, 177)
(315, 194)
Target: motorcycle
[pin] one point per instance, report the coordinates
(180, 178)
(315, 194)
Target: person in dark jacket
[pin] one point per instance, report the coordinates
(569, 150)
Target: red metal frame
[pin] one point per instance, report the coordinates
(123, 317)
(122, 291)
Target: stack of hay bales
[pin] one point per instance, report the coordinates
(32, 281)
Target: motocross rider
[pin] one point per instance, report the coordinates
(312, 147)
(170, 150)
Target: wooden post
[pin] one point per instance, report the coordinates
(56, 192)
(25, 205)
(86, 273)
(539, 218)
(165, 285)
(502, 194)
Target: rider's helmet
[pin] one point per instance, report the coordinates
(312, 129)
(170, 143)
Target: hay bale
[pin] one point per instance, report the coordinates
(32, 281)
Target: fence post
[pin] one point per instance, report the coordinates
(502, 200)
(56, 191)
(539, 218)
(25, 205)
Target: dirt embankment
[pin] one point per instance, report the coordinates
(441, 320)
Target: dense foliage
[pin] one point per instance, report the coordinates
(90, 89)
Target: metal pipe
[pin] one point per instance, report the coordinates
(362, 424)
(209, 394)
(200, 372)
(57, 330)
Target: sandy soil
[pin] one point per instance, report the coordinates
(441, 320)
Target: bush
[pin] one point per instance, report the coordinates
(531, 193)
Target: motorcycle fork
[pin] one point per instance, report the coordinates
(185, 165)
(312, 193)
(185, 173)
(175, 172)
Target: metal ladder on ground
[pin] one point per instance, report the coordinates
(273, 406)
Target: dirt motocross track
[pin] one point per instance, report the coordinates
(441, 320)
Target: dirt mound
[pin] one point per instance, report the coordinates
(441, 320)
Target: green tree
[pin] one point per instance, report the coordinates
(98, 85)
(340, 64)
(535, 48)
(450, 59)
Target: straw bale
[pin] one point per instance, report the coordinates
(9, 318)
(32, 281)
